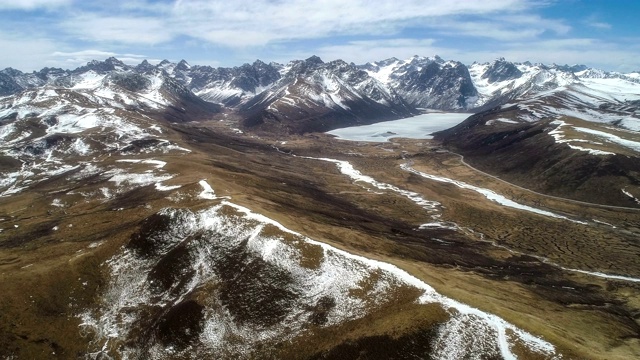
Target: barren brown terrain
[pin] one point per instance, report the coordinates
(537, 272)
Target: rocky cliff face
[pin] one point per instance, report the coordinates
(317, 96)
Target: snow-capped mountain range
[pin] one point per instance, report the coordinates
(311, 95)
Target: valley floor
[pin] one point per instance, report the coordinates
(564, 272)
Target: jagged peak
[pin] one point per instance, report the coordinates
(388, 61)
(338, 62)
(314, 60)
(114, 61)
(144, 66)
(571, 68)
(259, 62)
(183, 65)
(423, 60)
(501, 70)
(107, 65)
(12, 72)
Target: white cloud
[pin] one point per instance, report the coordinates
(600, 25)
(110, 29)
(91, 54)
(74, 59)
(241, 24)
(491, 30)
(32, 4)
(595, 22)
(508, 27)
(25, 52)
(261, 22)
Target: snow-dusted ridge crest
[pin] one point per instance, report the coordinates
(227, 227)
(465, 312)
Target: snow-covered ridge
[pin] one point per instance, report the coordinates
(612, 101)
(559, 137)
(529, 79)
(227, 228)
(417, 82)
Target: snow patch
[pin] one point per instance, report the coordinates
(347, 169)
(489, 194)
(207, 191)
(631, 196)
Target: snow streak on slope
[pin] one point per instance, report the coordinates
(609, 139)
(347, 169)
(489, 194)
(633, 145)
(273, 260)
(207, 192)
(493, 196)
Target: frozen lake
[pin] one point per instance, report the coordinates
(417, 127)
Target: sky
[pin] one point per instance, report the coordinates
(68, 33)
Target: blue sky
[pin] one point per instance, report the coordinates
(68, 33)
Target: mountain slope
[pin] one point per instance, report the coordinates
(553, 152)
(564, 134)
(228, 86)
(97, 114)
(501, 81)
(317, 96)
(427, 82)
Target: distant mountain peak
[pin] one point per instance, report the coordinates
(12, 72)
(114, 61)
(501, 70)
(144, 66)
(390, 60)
(314, 60)
(183, 65)
(422, 82)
